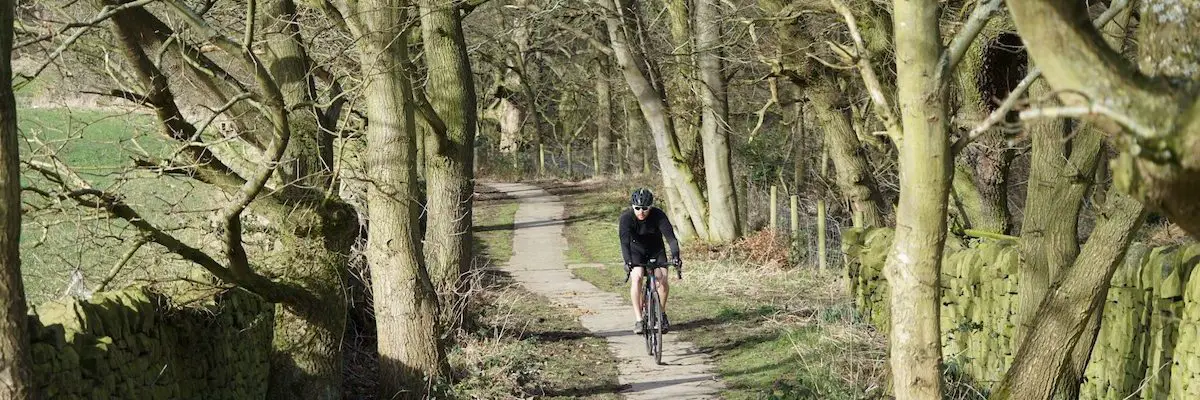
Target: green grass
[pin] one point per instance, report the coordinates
(523, 346)
(774, 334)
(59, 238)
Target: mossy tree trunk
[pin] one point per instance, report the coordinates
(1070, 304)
(411, 357)
(682, 80)
(854, 177)
(448, 155)
(724, 219)
(685, 197)
(980, 188)
(913, 264)
(604, 119)
(16, 376)
(315, 231)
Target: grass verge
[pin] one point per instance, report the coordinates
(521, 345)
(774, 333)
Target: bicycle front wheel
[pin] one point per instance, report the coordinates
(654, 335)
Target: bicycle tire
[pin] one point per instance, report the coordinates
(648, 314)
(657, 332)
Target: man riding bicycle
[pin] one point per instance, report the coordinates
(642, 228)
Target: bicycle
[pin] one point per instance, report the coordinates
(652, 314)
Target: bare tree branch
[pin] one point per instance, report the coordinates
(120, 264)
(1014, 96)
(105, 13)
(883, 107)
(953, 53)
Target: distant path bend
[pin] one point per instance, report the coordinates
(538, 264)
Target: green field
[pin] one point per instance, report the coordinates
(60, 239)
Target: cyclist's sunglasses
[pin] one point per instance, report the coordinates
(640, 208)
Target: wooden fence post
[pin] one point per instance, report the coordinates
(774, 208)
(821, 234)
(795, 218)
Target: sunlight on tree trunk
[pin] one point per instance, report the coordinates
(406, 309)
(16, 378)
(913, 264)
(1067, 308)
(449, 176)
(723, 223)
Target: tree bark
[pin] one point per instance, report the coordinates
(853, 178)
(724, 224)
(317, 233)
(449, 165)
(406, 307)
(1070, 303)
(1057, 184)
(913, 264)
(309, 159)
(604, 119)
(16, 377)
(684, 195)
(1162, 120)
(681, 80)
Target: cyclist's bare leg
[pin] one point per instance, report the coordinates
(635, 291)
(664, 287)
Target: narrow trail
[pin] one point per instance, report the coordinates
(539, 265)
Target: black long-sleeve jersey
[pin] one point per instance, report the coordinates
(643, 240)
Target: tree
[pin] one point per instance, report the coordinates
(16, 378)
(818, 85)
(1160, 117)
(406, 305)
(319, 229)
(450, 110)
(921, 131)
(723, 222)
(696, 214)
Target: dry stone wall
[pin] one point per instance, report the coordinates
(135, 344)
(1149, 341)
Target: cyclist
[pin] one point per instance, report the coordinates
(642, 228)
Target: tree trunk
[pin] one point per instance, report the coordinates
(309, 159)
(16, 377)
(406, 307)
(854, 178)
(681, 80)
(1060, 177)
(913, 265)
(1049, 233)
(449, 176)
(306, 361)
(981, 187)
(316, 233)
(723, 223)
(676, 174)
(604, 119)
(1067, 308)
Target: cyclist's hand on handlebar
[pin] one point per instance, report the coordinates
(678, 263)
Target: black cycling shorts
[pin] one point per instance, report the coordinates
(658, 260)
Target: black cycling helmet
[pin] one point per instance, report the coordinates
(642, 197)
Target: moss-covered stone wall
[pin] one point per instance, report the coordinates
(1149, 333)
(135, 344)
